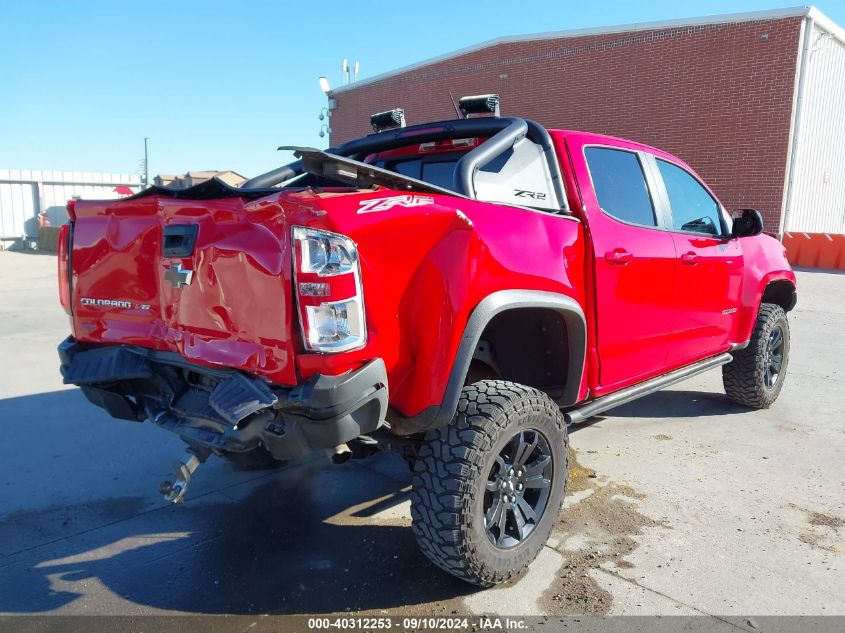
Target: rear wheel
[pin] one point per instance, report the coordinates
(488, 487)
(755, 376)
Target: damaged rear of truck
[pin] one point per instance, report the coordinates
(183, 312)
(264, 322)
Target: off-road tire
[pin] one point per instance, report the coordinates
(744, 377)
(451, 471)
(256, 459)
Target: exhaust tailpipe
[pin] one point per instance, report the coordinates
(175, 492)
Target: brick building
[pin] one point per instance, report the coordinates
(755, 102)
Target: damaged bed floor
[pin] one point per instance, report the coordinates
(680, 503)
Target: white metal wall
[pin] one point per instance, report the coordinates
(17, 203)
(818, 199)
(24, 193)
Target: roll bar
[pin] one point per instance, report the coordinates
(502, 133)
(478, 158)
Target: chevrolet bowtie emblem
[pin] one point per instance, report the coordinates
(178, 277)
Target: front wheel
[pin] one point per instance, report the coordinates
(755, 376)
(488, 487)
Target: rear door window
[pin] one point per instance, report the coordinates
(620, 185)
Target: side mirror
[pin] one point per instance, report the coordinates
(748, 224)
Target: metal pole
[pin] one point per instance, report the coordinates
(146, 164)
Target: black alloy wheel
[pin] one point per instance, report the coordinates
(774, 357)
(518, 488)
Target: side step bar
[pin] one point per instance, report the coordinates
(600, 405)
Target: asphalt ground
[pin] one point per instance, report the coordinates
(679, 504)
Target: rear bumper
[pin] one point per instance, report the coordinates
(220, 410)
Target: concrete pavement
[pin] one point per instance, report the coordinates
(680, 503)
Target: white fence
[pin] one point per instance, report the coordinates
(25, 193)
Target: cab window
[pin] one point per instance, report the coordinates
(693, 209)
(437, 169)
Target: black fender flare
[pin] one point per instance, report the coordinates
(576, 325)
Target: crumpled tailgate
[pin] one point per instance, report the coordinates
(217, 290)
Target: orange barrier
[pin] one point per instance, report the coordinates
(815, 250)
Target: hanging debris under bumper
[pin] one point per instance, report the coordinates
(224, 410)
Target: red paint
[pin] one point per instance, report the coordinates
(709, 283)
(654, 299)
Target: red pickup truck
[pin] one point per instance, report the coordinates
(459, 291)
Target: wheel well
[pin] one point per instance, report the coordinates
(780, 292)
(529, 346)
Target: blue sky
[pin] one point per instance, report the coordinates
(220, 85)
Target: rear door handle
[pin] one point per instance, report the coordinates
(618, 256)
(690, 259)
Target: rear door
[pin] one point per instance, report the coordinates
(635, 266)
(709, 265)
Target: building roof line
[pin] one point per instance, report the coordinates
(770, 14)
(826, 24)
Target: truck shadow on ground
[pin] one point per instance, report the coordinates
(312, 538)
(677, 404)
(280, 549)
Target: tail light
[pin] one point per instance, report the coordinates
(64, 250)
(327, 277)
